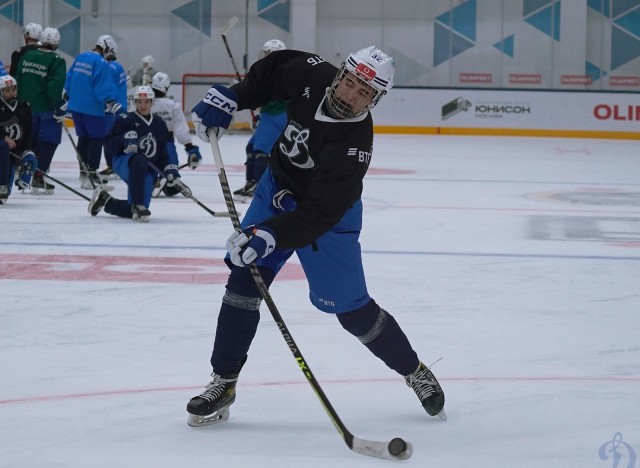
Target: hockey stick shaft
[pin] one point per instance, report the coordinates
(83, 165)
(224, 33)
(40, 171)
(217, 214)
(57, 181)
(362, 446)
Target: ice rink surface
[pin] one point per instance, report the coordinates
(515, 260)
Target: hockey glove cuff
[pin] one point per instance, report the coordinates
(250, 245)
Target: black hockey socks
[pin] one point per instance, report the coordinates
(238, 320)
(380, 333)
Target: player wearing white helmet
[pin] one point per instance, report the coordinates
(92, 95)
(139, 145)
(40, 77)
(308, 202)
(120, 80)
(145, 73)
(171, 112)
(31, 33)
(16, 149)
(271, 122)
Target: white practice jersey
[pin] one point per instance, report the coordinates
(172, 115)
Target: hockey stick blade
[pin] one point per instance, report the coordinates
(396, 449)
(232, 22)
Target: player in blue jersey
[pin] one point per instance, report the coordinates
(139, 145)
(273, 120)
(308, 202)
(120, 77)
(92, 94)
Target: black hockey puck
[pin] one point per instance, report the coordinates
(397, 447)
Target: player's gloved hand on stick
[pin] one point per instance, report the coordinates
(251, 244)
(130, 140)
(172, 174)
(60, 111)
(193, 155)
(214, 112)
(112, 107)
(173, 179)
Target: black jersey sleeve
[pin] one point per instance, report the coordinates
(280, 75)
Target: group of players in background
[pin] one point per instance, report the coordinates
(39, 95)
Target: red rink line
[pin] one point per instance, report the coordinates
(133, 391)
(122, 269)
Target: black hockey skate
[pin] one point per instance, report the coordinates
(140, 213)
(4, 194)
(91, 180)
(98, 201)
(245, 194)
(212, 405)
(426, 386)
(108, 174)
(39, 186)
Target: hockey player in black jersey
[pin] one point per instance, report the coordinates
(138, 142)
(16, 144)
(308, 203)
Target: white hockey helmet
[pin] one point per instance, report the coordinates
(107, 43)
(161, 82)
(370, 66)
(148, 59)
(271, 46)
(7, 82)
(144, 92)
(32, 31)
(50, 37)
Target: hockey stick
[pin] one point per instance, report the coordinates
(83, 165)
(397, 448)
(224, 33)
(163, 181)
(54, 179)
(217, 214)
(63, 184)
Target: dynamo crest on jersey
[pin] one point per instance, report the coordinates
(296, 148)
(14, 131)
(148, 145)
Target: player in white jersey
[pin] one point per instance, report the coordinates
(172, 114)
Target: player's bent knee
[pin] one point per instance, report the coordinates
(365, 323)
(241, 281)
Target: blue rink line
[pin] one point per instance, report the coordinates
(395, 178)
(369, 252)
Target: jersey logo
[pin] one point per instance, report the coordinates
(295, 147)
(147, 145)
(363, 156)
(13, 128)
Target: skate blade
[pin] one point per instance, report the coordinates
(442, 415)
(199, 421)
(40, 191)
(242, 198)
